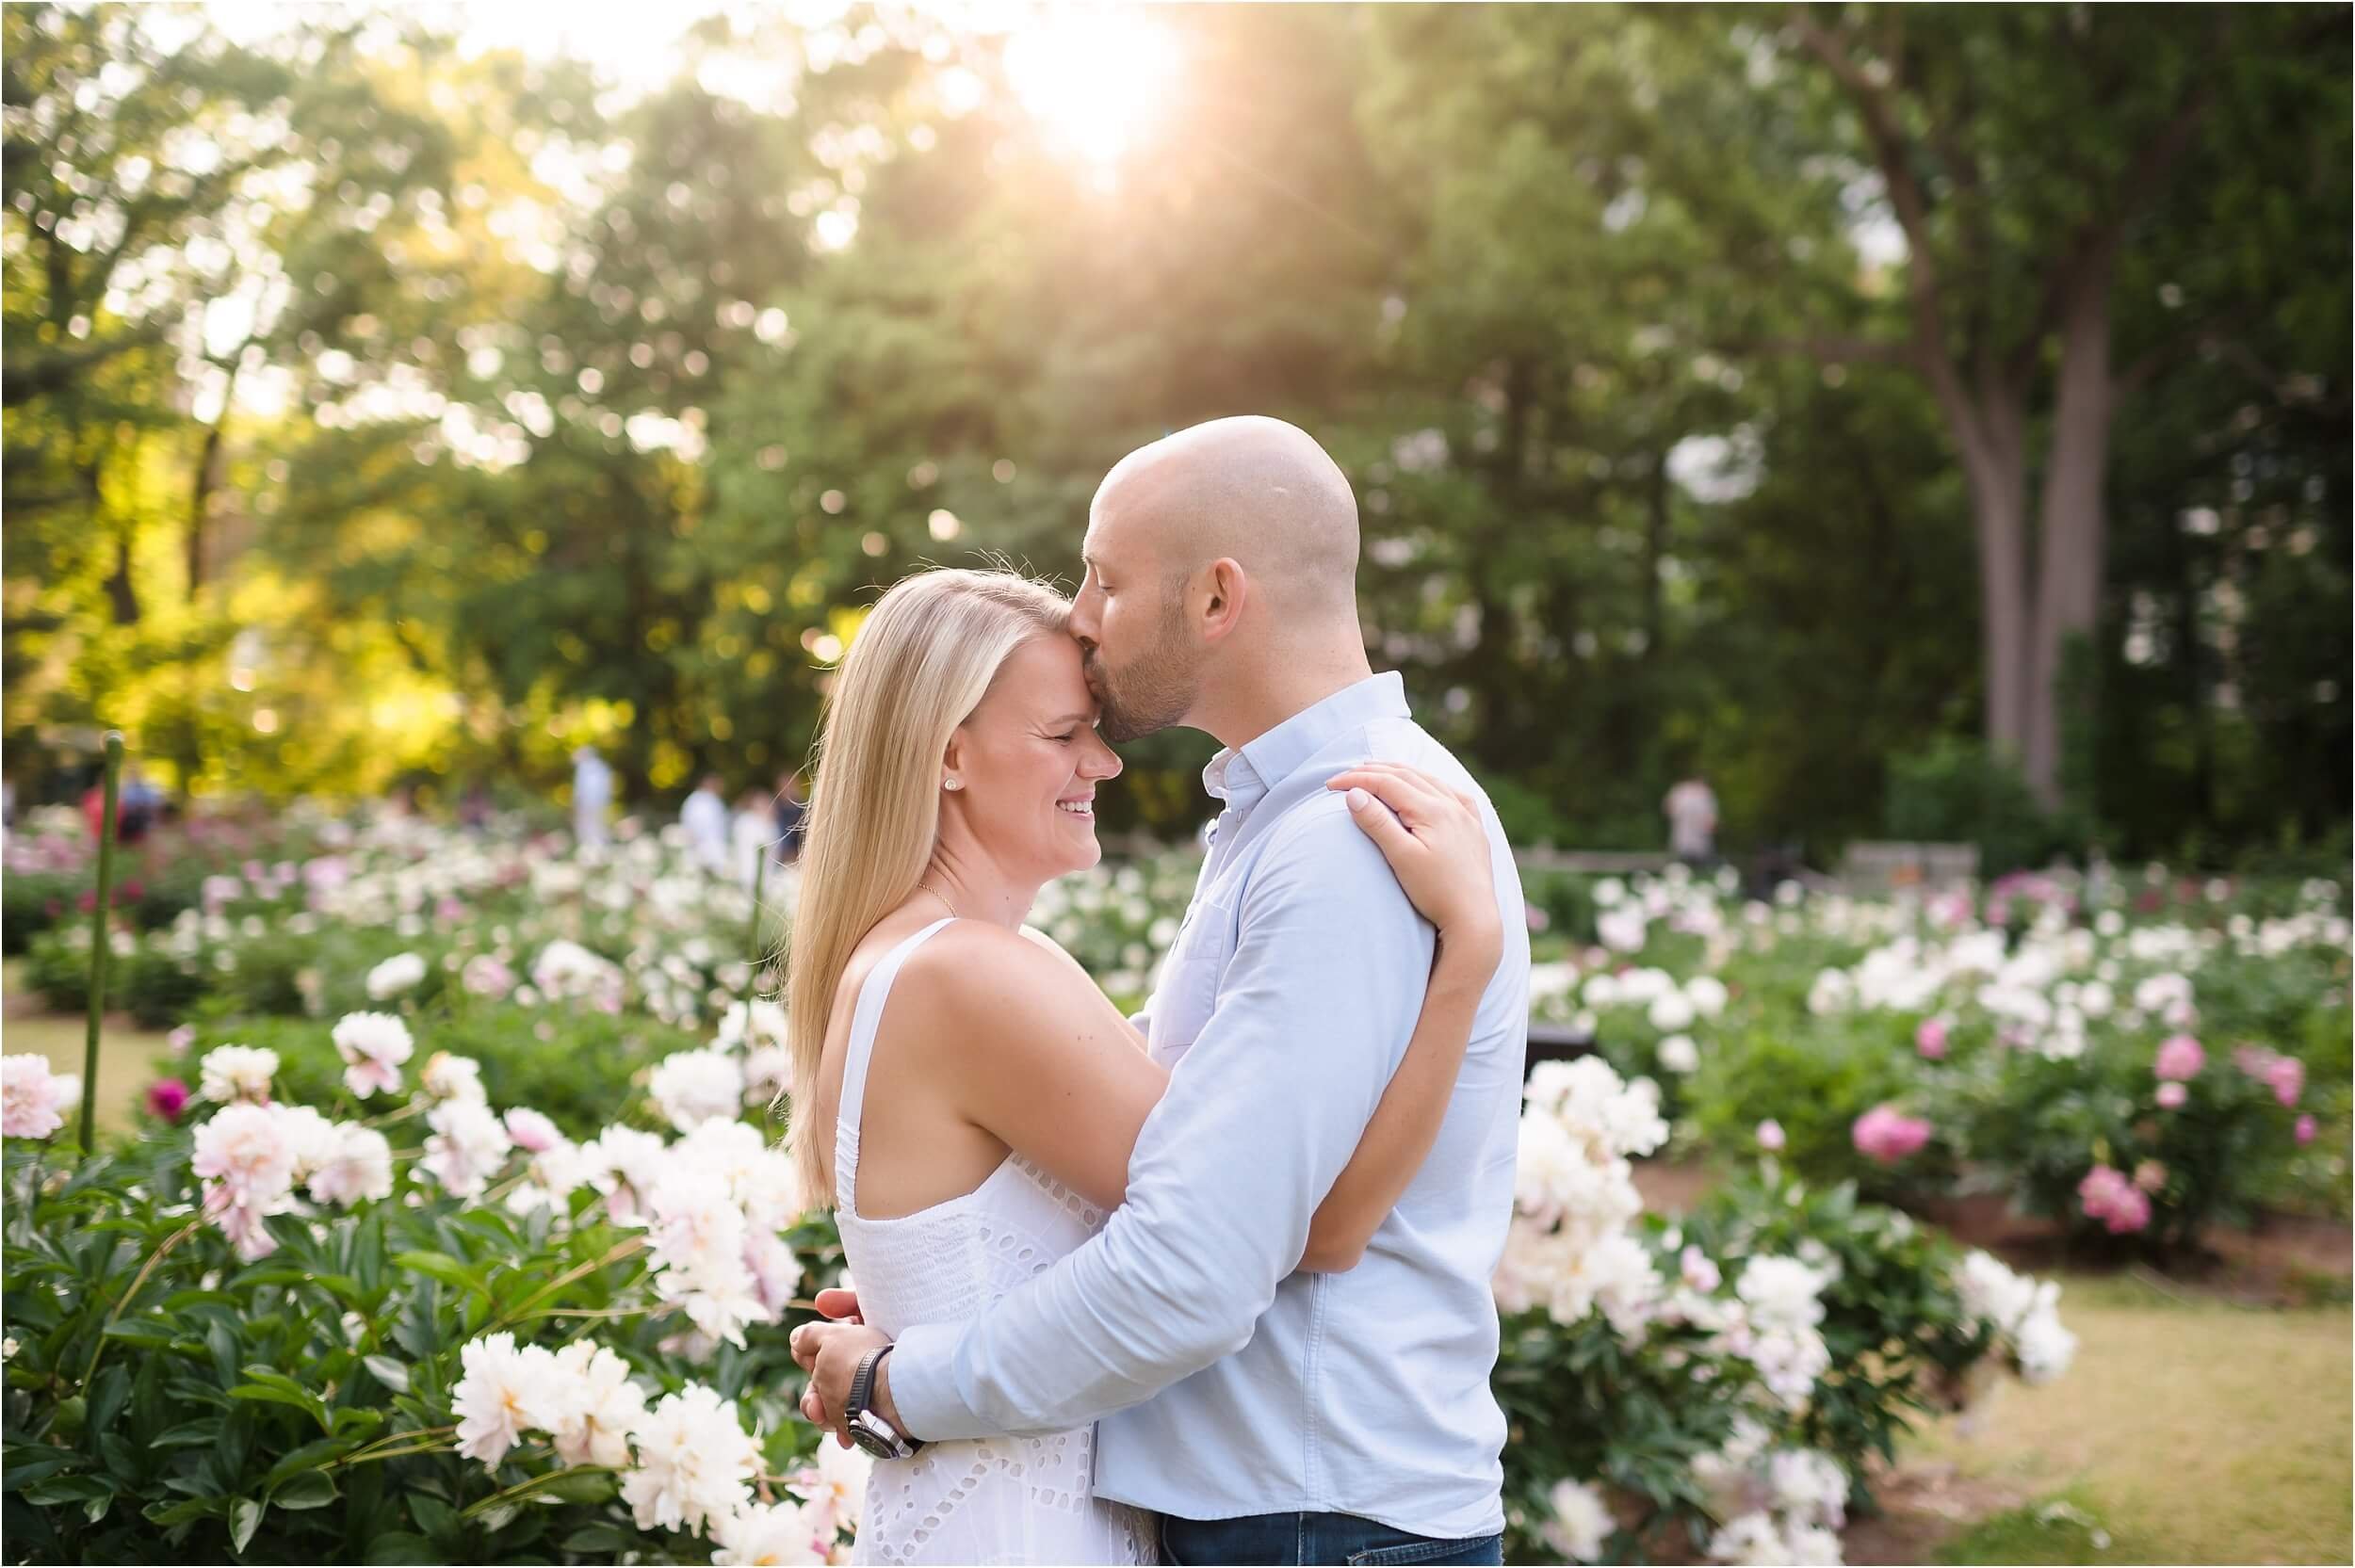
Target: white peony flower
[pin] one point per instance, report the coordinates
(466, 1147)
(360, 1166)
(231, 1072)
(1580, 1524)
(767, 1073)
(693, 1086)
(498, 1392)
(1671, 1012)
(695, 1463)
(1707, 994)
(592, 1406)
(1677, 1054)
(399, 973)
(1752, 1539)
(453, 1077)
(533, 1133)
(373, 1046)
(1808, 1486)
(763, 1025)
(1782, 1292)
(32, 1098)
(772, 1533)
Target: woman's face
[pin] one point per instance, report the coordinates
(1028, 761)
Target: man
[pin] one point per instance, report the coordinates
(1267, 1416)
(705, 815)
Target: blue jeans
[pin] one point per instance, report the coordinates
(1303, 1538)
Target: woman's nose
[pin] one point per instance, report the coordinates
(1102, 762)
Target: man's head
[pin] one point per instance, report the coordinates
(1227, 540)
(710, 784)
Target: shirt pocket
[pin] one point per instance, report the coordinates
(1188, 992)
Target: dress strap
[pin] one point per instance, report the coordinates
(874, 992)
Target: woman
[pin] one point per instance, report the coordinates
(966, 1150)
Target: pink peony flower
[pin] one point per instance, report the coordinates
(2172, 1095)
(1887, 1135)
(2286, 1075)
(1930, 1039)
(167, 1098)
(2180, 1058)
(2105, 1194)
(2304, 1129)
(532, 1132)
(2150, 1176)
(181, 1039)
(1770, 1135)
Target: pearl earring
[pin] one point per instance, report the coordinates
(952, 784)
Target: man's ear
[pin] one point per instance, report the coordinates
(1230, 590)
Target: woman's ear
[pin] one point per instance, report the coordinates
(952, 760)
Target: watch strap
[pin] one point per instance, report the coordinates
(862, 1382)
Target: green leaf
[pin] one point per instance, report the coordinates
(307, 1458)
(108, 1394)
(441, 1266)
(391, 1373)
(400, 1546)
(181, 1513)
(245, 1517)
(311, 1489)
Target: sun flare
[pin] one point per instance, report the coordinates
(1096, 80)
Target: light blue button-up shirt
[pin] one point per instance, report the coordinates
(1228, 1383)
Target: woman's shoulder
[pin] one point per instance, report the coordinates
(979, 978)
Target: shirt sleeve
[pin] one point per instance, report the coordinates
(1313, 1016)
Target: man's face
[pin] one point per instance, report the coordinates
(1130, 620)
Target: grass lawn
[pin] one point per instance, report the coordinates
(2189, 1431)
(125, 1055)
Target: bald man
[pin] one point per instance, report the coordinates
(1266, 1415)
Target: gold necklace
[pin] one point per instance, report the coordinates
(939, 899)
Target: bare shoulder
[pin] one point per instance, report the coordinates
(975, 980)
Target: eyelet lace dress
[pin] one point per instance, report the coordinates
(982, 1500)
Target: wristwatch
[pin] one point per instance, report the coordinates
(869, 1430)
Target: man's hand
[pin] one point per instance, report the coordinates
(830, 1353)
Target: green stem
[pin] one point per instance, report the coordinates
(100, 947)
(140, 1279)
(522, 1487)
(615, 1253)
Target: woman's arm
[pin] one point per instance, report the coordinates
(1434, 839)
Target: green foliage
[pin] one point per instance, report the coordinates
(164, 1400)
(1957, 792)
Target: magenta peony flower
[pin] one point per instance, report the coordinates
(2172, 1095)
(167, 1098)
(1770, 1135)
(1887, 1135)
(2304, 1129)
(1930, 1039)
(2180, 1058)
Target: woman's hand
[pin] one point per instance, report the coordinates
(1434, 839)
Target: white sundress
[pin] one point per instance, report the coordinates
(980, 1500)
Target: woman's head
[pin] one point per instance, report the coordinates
(961, 728)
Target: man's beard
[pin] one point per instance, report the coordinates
(1156, 690)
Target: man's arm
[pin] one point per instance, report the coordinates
(1313, 1017)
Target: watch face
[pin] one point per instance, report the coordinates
(873, 1443)
(874, 1439)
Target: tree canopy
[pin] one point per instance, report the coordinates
(1824, 398)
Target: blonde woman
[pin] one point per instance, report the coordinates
(964, 1094)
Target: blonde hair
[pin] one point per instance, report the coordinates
(920, 664)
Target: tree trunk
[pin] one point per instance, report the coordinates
(1989, 429)
(2069, 572)
(207, 478)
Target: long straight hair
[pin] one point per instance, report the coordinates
(919, 667)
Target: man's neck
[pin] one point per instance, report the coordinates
(1282, 695)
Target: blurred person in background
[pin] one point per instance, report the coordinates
(592, 792)
(704, 816)
(1691, 808)
(750, 835)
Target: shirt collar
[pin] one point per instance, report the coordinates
(1241, 775)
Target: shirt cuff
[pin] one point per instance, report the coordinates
(924, 1384)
